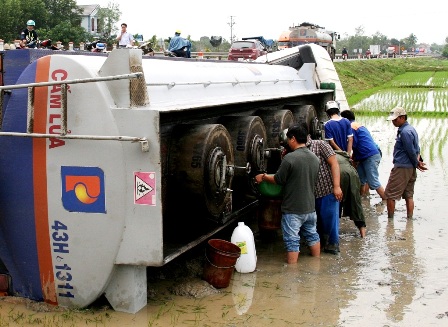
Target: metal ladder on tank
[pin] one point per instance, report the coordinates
(63, 133)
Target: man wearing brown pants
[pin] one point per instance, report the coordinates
(406, 159)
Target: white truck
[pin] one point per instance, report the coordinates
(374, 50)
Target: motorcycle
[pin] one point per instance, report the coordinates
(344, 56)
(147, 48)
(181, 53)
(37, 44)
(96, 46)
(30, 45)
(47, 44)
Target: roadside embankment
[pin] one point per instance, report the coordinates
(362, 78)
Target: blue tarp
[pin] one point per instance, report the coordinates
(267, 42)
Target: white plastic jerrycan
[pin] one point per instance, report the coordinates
(243, 237)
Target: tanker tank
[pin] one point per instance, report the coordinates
(114, 163)
(305, 35)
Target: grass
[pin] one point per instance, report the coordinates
(362, 78)
(373, 87)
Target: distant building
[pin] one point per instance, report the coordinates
(89, 18)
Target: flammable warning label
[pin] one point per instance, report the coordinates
(145, 188)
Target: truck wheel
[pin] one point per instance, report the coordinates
(307, 113)
(275, 122)
(199, 158)
(248, 135)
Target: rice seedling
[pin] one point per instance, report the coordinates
(433, 136)
(19, 317)
(419, 102)
(413, 79)
(440, 79)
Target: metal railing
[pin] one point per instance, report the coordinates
(205, 55)
(63, 132)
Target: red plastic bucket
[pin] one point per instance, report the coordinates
(220, 260)
(4, 284)
(270, 214)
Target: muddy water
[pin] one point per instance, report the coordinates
(396, 276)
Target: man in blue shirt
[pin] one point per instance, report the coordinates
(180, 46)
(406, 159)
(338, 131)
(366, 155)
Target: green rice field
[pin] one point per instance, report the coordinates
(420, 93)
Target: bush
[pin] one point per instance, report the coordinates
(445, 51)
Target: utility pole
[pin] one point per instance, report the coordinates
(231, 28)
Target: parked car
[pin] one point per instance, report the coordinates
(246, 50)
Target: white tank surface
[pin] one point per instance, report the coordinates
(325, 72)
(310, 36)
(206, 84)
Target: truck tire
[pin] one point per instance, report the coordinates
(199, 156)
(275, 121)
(248, 135)
(307, 113)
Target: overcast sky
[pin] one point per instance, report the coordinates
(395, 19)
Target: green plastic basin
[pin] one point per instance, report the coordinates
(270, 190)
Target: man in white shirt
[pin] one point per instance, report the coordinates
(125, 39)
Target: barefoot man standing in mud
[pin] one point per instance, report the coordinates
(406, 160)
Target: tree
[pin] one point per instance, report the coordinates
(66, 33)
(360, 41)
(411, 40)
(445, 48)
(381, 40)
(10, 26)
(46, 13)
(15, 14)
(107, 18)
(394, 41)
(359, 31)
(445, 51)
(61, 11)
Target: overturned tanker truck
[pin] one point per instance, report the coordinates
(111, 163)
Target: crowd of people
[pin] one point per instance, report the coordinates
(323, 180)
(178, 46)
